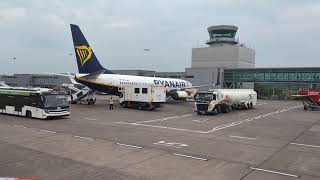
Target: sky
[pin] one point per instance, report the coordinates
(36, 37)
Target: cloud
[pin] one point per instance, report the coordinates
(12, 14)
(117, 25)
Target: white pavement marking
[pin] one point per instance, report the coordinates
(187, 115)
(173, 117)
(217, 128)
(81, 137)
(158, 120)
(193, 157)
(171, 144)
(251, 119)
(274, 172)
(128, 145)
(161, 127)
(242, 137)
(200, 120)
(19, 126)
(47, 131)
(164, 119)
(307, 145)
(90, 119)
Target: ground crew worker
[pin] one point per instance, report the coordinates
(111, 103)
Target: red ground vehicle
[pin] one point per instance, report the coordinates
(310, 99)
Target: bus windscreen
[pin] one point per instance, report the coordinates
(55, 101)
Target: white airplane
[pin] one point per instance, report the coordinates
(96, 77)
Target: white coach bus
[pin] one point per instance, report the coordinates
(33, 102)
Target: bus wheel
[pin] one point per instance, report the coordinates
(28, 114)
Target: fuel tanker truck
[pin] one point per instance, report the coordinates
(224, 100)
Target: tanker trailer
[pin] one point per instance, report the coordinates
(224, 100)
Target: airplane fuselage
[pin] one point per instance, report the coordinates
(110, 83)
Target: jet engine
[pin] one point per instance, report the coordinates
(180, 95)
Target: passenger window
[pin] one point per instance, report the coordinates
(136, 90)
(144, 90)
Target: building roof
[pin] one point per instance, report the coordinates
(223, 27)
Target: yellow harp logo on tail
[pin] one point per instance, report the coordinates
(84, 53)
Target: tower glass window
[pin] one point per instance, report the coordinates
(222, 34)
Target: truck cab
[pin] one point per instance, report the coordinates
(205, 102)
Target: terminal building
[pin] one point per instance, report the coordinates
(35, 80)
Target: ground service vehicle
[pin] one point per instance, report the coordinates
(78, 94)
(224, 100)
(142, 96)
(310, 99)
(33, 102)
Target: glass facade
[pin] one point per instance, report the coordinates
(293, 75)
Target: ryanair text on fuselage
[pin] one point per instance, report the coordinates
(173, 84)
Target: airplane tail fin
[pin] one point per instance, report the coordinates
(86, 59)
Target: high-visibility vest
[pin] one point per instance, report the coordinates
(111, 101)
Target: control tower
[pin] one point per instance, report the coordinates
(222, 34)
(223, 51)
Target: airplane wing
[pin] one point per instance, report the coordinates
(208, 85)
